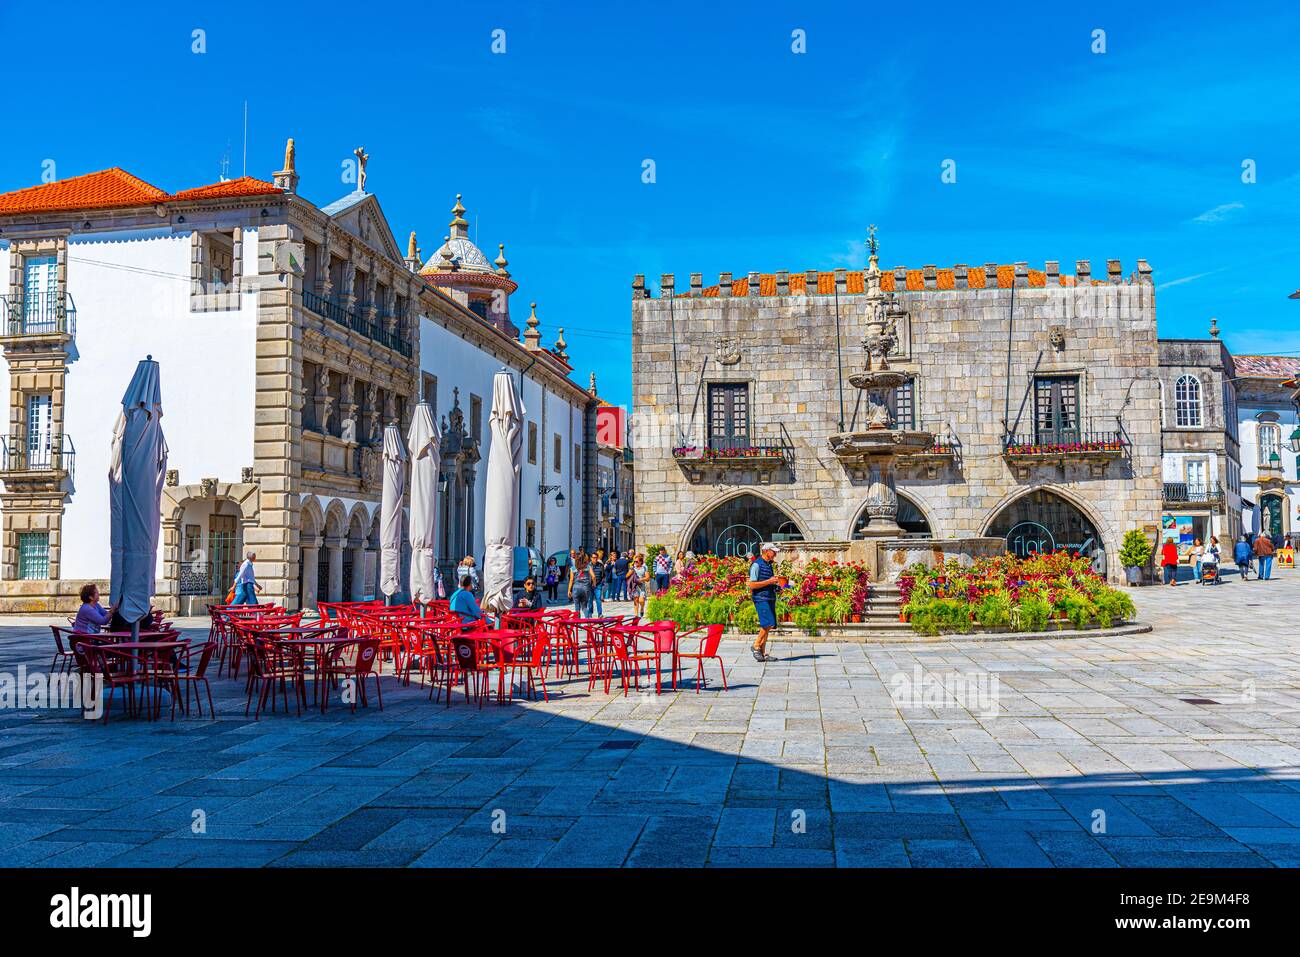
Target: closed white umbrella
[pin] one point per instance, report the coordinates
(390, 512)
(501, 510)
(136, 472)
(424, 443)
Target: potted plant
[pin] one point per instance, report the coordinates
(1134, 553)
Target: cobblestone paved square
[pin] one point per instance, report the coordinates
(1094, 757)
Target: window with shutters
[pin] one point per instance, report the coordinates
(728, 415)
(1056, 409)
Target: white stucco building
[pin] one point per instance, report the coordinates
(288, 335)
(1269, 458)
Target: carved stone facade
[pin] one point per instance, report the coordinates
(977, 346)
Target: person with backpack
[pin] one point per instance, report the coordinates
(599, 572)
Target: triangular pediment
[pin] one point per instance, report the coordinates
(361, 215)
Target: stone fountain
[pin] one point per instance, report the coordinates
(873, 453)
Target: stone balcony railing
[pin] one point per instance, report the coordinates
(731, 455)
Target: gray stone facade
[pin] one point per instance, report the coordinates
(773, 334)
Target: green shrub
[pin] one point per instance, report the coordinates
(994, 611)
(1032, 614)
(1135, 549)
(1079, 609)
(747, 618)
(954, 615)
(1112, 606)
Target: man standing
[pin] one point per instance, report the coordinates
(1264, 552)
(619, 582)
(763, 583)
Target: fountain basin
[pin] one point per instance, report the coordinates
(879, 443)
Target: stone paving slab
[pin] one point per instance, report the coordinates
(1092, 757)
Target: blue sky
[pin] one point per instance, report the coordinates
(764, 159)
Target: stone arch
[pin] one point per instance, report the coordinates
(722, 498)
(312, 517)
(915, 500)
(358, 523)
(1109, 541)
(336, 519)
(196, 572)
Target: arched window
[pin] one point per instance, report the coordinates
(1270, 442)
(1187, 402)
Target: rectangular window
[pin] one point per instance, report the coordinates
(476, 417)
(40, 294)
(559, 452)
(905, 406)
(1056, 409)
(530, 533)
(532, 443)
(39, 430)
(728, 415)
(33, 555)
(1196, 476)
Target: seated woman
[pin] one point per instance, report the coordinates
(91, 616)
(531, 599)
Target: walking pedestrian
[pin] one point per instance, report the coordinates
(1169, 561)
(1198, 551)
(552, 580)
(763, 583)
(663, 571)
(638, 580)
(1241, 554)
(580, 584)
(246, 581)
(619, 579)
(1264, 552)
(1210, 561)
(599, 572)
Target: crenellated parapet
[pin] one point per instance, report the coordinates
(851, 282)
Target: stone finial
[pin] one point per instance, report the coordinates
(412, 254)
(459, 226)
(560, 346)
(446, 254)
(532, 335)
(1214, 328)
(173, 477)
(501, 262)
(287, 178)
(592, 388)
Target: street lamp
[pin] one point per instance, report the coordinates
(548, 489)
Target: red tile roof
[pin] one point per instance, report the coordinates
(855, 281)
(1267, 367)
(117, 189)
(243, 186)
(108, 189)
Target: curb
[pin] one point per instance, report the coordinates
(912, 638)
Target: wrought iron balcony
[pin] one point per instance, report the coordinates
(353, 319)
(49, 456)
(1024, 451)
(40, 314)
(1183, 493)
(730, 453)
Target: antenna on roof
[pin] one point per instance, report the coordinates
(245, 172)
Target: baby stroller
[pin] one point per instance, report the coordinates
(1210, 573)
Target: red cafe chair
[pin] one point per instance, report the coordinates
(365, 658)
(707, 651)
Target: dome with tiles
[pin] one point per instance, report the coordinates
(457, 252)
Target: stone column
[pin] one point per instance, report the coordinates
(310, 558)
(357, 586)
(882, 500)
(335, 548)
(277, 436)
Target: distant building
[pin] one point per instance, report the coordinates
(617, 527)
(289, 336)
(1269, 460)
(1201, 489)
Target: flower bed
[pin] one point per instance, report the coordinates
(1010, 594)
(748, 452)
(715, 591)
